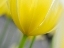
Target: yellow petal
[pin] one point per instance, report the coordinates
(50, 21)
(32, 13)
(34, 17)
(2, 2)
(4, 9)
(14, 13)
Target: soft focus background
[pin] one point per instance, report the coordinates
(11, 37)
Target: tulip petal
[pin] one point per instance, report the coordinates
(32, 13)
(2, 2)
(13, 9)
(4, 9)
(50, 22)
(35, 17)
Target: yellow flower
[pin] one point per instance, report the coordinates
(2, 2)
(4, 9)
(35, 17)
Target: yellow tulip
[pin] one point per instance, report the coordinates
(4, 9)
(35, 17)
(2, 2)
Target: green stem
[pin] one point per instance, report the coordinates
(32, 42)
(4, 30)
(23, 41)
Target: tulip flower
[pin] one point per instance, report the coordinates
(35, 17)
(2, 2)
(4, 10)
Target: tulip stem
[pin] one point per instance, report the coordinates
(32, 42)
(23, 41)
